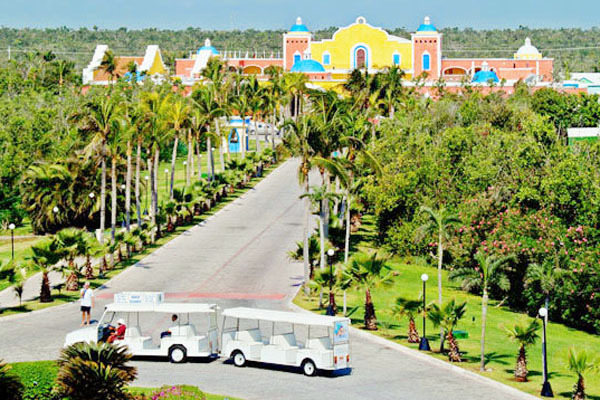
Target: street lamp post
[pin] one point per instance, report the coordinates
(331, 307)
(12, 240)
(546, 388)
(424, 344)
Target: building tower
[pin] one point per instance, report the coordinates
(427, 50)
(295, 44)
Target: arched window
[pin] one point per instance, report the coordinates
(297, 57)
(426, 62)
(396, 58)
(326, 58)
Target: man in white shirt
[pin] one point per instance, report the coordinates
(87, 302)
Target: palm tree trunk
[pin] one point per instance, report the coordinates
(273, 133)
(484, 301)
(45, 294)
(440, 255)
(347, 238)
(579, 392)
(128, 189)
(138, 162)
(325, 205)
(173, 159)
(209, 158)
(150, 182)
(190, 162)
(454, 353)
(113, 204)
(103, 193)
(322, 241)
(221, 158)
(370, 317)
(199, 153)
(256, 139)
(155, 189)
(243, 137)
(413, 334)
(521, 367)
(305, 255)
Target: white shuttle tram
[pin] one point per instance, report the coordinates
(311, 342)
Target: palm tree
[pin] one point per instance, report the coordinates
(295, 85)
(11, 387)
(71, 244)
(102, 116)
(408, 308)
(177, 120)
(206, 101)
(548, 276)
(109, 65)
(94, 371)
(273, 98)
(114, 146)
(297, 141)
(437, 224)
(525, 336)
(256, 103)
(17, 281)
(447, 317)
(579, 364)
(44, 256)
(489, 272)
(368, 272)
(316, 197)
(241, 103)
(392, 88)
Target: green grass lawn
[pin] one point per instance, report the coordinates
(38, 378)
(500, 351)
(61, 297)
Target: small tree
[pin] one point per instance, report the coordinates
(94, 371)
(17, 281)
(579, 364)
(368, 272)
(408, 308)
(447, 317)
(525, 336)
(45, 255)
(489, 272)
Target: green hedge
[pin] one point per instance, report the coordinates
(38, 379)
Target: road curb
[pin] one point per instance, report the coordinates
(509, 390)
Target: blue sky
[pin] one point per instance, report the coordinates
(278, 14)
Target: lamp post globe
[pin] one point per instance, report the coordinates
(330, 252)
(11, 226)
(91, 195)
(424, 343)
(55, 209)
(166, 171)
(546, 388)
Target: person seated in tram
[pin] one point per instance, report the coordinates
(117, 333)
(169, 331)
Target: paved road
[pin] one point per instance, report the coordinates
(239, 258)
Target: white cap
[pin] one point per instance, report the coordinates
(121, 321)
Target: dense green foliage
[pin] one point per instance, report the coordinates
(504, 168)
(38, 379)
(567, 45)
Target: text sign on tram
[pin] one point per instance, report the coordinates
(139, 297)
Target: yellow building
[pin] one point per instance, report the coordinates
(361, 45)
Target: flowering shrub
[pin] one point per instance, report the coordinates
(180, 392)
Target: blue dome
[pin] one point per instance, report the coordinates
(485, 76)
(299, 28)
(426, 28)
(307, 66)
(209, 48)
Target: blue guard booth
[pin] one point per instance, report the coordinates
(235, 127)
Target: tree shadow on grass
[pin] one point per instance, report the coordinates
(551, 375)
(490, 357)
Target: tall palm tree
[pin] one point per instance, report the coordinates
(206, 101)
(256, 103)
(392, 88)
(525, 336)
(102, 117)
(490, 271)
(447, 317)
(437, 224)
(297, 141)
(241, 103)
(44, 256)
(71, 244)
(198, 122)
(368, 272)
(109, 65)
(114, 146)
(273, 99)
(94, 371)
(295, 85)
(177, 120)
(580, 364)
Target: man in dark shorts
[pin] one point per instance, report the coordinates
(87, 302)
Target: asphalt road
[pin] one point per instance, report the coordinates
(238, 257)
